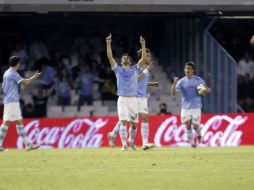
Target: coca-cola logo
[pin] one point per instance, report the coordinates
(219, 130)
(79, 133)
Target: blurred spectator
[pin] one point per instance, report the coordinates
(22, 54)
(63, 89)
(247, 104)
(86, 80)
(48, 74)
(66, 65)
(108, 84)
(40, 103)
(38, 50)
(74, 64)
(38, 54)
(246, 66)
(170, 73)
(163, 109)
(28, 111)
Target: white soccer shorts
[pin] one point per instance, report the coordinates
(142, 105)
(191, 114)
(127, 109)
(12, 112)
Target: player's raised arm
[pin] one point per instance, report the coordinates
(109, 51)
(143, 52)
(173, 87)
(31, 79)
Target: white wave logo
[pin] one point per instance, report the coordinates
(69, 136)
(211, 131)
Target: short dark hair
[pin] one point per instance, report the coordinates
(14, 60)
(190, 63)
(140, 52)
(126, 54)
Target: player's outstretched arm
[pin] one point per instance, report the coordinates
(154, 84)
(109, 51)
(31, 79)
(173, 87)
(142, 61)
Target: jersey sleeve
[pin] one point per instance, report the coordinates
(136, 67)
(179, 86)
(17, 78)
(116, 68)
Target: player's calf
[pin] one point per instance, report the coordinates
(111, 140)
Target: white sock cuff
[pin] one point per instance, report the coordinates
(143, 124)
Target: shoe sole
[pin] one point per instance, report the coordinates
(148, 147)
(109, 141)
(124, 149)
(33, 148)
(133, 146)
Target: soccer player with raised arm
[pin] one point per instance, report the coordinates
(127, 85)
(191, 100)
(12, 112)
(143, 79)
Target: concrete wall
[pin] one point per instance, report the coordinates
(125, 5)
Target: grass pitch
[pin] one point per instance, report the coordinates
(111, 169)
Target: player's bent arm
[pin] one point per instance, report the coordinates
(140, 76)
(28, 81)
(173, 87)
(142, 61)
(109, 51)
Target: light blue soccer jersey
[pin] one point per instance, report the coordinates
(11, 80)
(188, 89)
(142, 84)
(86, 80)
(127, 82)
(63, 88)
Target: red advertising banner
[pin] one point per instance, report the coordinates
(91, 132)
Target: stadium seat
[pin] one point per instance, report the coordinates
(54, 111)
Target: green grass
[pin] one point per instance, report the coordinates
(111, 169)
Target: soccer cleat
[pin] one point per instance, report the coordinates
(111, 140)
(148, 146)
(124, 148)
(193, 145)
(2, 149)
(199, 139)
(133, 146)
(32, 147)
